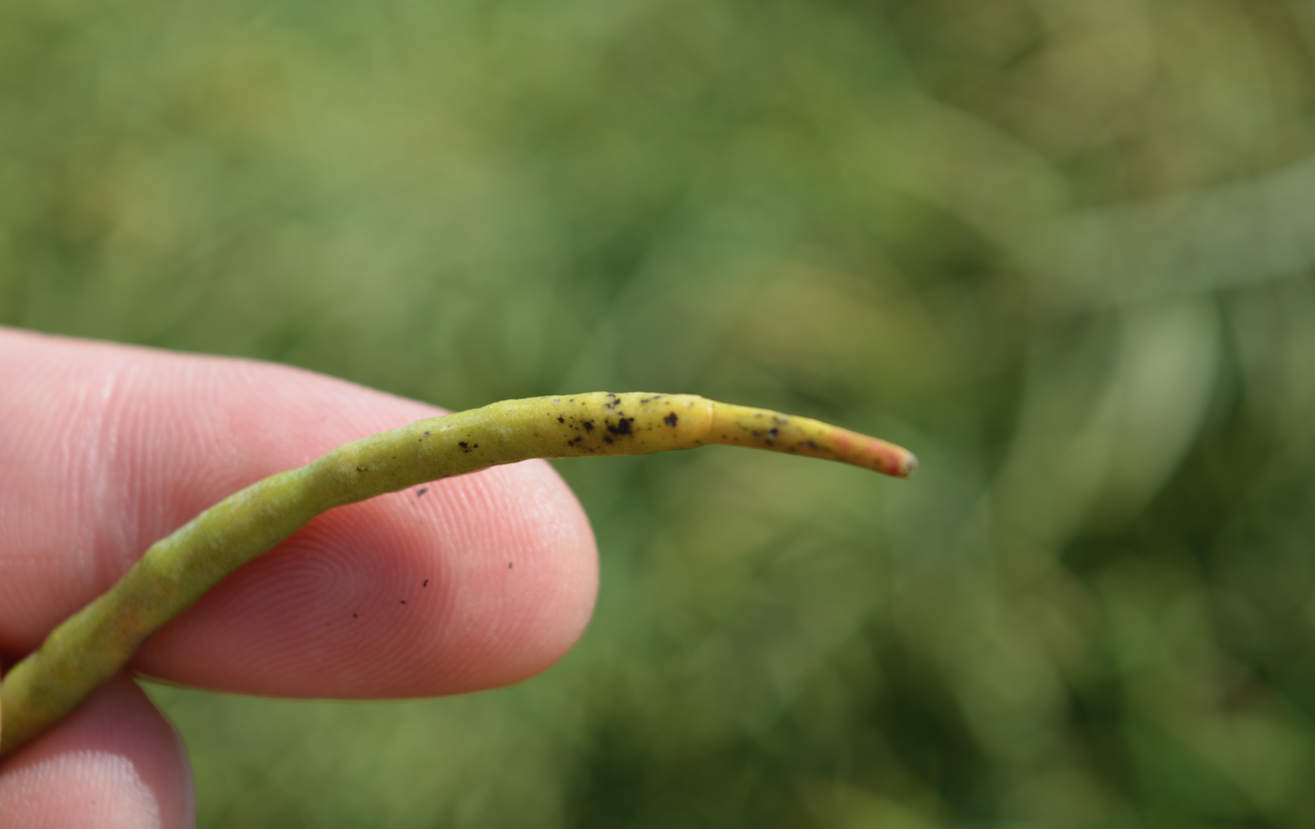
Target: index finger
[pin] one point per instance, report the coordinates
(475, 582)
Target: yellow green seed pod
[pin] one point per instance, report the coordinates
(99, 640)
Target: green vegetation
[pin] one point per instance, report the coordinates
(1061, 248)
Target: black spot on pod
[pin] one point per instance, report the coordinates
(622, 426)
(670, 419)
(421, 491)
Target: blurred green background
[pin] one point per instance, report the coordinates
(1062, 249)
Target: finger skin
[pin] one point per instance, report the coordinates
(481, 581)
(113, 764)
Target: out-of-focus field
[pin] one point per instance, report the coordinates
(1062, 249)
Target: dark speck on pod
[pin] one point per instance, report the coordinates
(421, 491)
(360, 469)
(588, 425)
(670, 419)
(622, 426)
(425, 583)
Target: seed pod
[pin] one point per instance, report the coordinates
(99, 640)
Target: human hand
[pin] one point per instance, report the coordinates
(484, 580)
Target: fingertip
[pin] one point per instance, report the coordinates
(544, 595)
(115, 762)
(483, 581)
